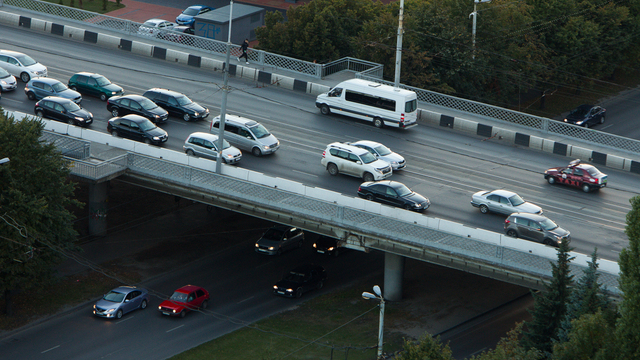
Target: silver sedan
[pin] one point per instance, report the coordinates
(382, 152)
(503, 202)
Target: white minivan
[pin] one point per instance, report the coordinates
(371, 101)
(246, 134)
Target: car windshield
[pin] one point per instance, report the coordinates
(403, 190)
(548, 224)
(273, 234)
(516, 200)
(114, 296)
(4, 73)
(147, 125)
(102, 81)
(592, 170)
(183, 100)
(383, 150)
(581, 111)
(26, 60)
(294, 276)
(260, 131)
(178, 296)
(59, 87)
(368, 158)
(190, 12)
(225, 144)
(71, 106)
(147, 104)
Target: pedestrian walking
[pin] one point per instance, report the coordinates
(244, 47)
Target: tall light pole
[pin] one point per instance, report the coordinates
(377, 296)
(473, 29)
(399, 44)
(225, 92)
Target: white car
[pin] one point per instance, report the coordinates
(503, 202)
(352, 160)
(382, 152)
(7, 81)
(21, 65)
(152, 27)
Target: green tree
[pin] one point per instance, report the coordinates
(550, 305)
(427, 348)
(34, 223)
(627, 328)
(587, 297)
(510, 348)
(592, 337)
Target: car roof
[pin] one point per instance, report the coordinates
(197, 6)
(85, 73)
(204, 135)
(389, 183)
(585, 106)
(135, 118)
(57, 99)
(131, 96)
(238, 119)
(188, 288)
(166, 92)
(501, 192)
(529, 216)
(352, 148)
(46, 80)
(367, 143)
(156, 21)
(11, 52)
(282, 227)
(126, 289)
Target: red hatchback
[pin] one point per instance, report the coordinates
(584, 176)
(185, 299)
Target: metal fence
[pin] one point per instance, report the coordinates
(100, 171)
(69, 147)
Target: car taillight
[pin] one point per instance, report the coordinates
(359, 189)
(507, 221)
(324, 153)
(402, 117)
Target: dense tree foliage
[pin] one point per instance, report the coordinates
(34, 223)
(550, 305)
(539, 45)
(427, 348)
(627, 327)
(591, 337)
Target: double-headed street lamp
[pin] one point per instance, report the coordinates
(377, 296)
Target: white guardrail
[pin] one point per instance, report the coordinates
(411, 218)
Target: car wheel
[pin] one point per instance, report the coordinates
(586, 188)
(484, 209)
(186, 117)
(332, 169)
(547, 242)
(119, 314)
(114, 111)
(103, 97)
(377, 122)
(204, 305)
(551, 180)
(147, 141)
(298, 292)
(324, 109)
(73, 88)
(320, 285)
(370, 197)
(31, 95)
(256, 151)
(183, 313)
(115, 133)
(586, 124)
(407, 207)
(602, 120)
(512, 233)
(25, 77)
(40, 113)
(367, 177)
(190, 152)
(143, 304)
(71, 122)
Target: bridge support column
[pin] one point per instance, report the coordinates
(98, 197)
(393, 273)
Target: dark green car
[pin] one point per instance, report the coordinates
(94, 84)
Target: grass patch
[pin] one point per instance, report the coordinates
(55, 297)
(333, 326)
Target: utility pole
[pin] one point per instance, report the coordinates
(473, 28)
(399, 44)
(225, 92)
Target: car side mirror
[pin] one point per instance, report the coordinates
(126, 300)
(359, 162)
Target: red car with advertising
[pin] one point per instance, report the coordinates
(185, 299)
(584, 176)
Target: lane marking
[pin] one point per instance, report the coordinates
(304, 173)
(176, 328)
(55, 347)
(249, 298)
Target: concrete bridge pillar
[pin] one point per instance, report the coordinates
(98, 197)
(393, 273)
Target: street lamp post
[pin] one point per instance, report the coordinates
(377, 296)
(4, 160)
(399, 45)
(473, 28)
(225, 92)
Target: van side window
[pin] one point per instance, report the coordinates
(231, 128)
(370, 100)
(353, 157)
(244, 133)
(216, 125)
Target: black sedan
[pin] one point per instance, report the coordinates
(137, 128)
(57, 108)
(327, 245)
(138, 105)
(586, 115)
(300, 280)
(177, 104)
(393, 193)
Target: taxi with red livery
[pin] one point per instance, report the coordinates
(577, 174)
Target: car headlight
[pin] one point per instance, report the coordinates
(379, 171)
(229, 156)
(275, 287)
(330, 249)
(394, 163)
(174, 311)
(110, 311)
(155, 138)
(266, 147)
(270, 247)
(79, 119)
(257, 245)
(289, 290)
(579, 122)
(113, 93)
(417, 205)
(156, 116)
(195, 114)
(4, 82)
(314, 245)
